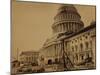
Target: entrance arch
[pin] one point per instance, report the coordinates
(56, 60)
(49, 61)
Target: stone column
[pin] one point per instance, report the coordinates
(74, 26)
(62, 27)
(78, 49)
(65, 27)
(71, 26)
(59, 28)
(56, 28)
(68, 26)
(57, 49)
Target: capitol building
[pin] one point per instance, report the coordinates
(71, 41)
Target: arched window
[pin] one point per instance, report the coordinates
(56, 60)
(76, 57)
(86, 37)
(87, 55)
(82, 57)
(86, 45)
(81, 47)
(90, 44)
(49, 61)
(76, 47)
(72, 49)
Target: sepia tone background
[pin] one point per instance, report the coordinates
(31, 23)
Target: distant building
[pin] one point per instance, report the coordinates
(70, 35)
(29, 57)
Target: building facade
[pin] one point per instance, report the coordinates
(70, 37)
(30, 57)
(81, 45)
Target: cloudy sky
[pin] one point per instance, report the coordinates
(31, 23)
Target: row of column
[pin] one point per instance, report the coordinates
(29, 59)
(58, 50)
(65, 16)
(66, 27)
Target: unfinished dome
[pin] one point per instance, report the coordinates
(67, 20)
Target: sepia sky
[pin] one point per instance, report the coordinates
(31, 23)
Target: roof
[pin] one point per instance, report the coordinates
(67, 7)
(28, 52)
